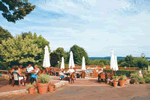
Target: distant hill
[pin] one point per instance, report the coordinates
(118, 58)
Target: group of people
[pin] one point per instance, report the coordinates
(63, 75)
(29, 72)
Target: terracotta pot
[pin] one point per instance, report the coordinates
(125, 80)
(51, 89)
(115, 84)
(31, 90)
(121, 83)
(42, 88)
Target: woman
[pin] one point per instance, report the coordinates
(62, 75)
(20, 75)
(34, 74)
(12, 69)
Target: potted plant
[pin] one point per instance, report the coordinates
(121, 81)
(43, 83)
(115, 81)
(51, 87)
(31, 89)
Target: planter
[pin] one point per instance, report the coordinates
(51, 88)
(31, 90)
(42, 88)
(121, 83)
(115, 84)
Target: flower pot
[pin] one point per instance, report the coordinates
(31, 90)
(125, 81)
(121, 83)
(115, 84)
(42, 88)
(51, 89)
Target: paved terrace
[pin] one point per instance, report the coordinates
(90, 89)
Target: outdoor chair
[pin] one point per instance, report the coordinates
(10, 78)
(16, 79)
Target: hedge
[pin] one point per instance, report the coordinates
(121, 72)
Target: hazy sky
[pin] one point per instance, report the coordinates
(96, 25)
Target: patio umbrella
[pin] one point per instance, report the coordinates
(83, 64)
(62, 63)
(116, 64)
(71, 61)
(46, 61)
(112, 60)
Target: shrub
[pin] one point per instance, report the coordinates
(137, 78)
(44, 78)
(30, 86)
(147, 79)
(115, 78)
(121, 72)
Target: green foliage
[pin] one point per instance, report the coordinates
(137, 77)
(54, 59)
(78, 53)
(115, 78)
(100, 62)
(121, 72)
(141, 62)
(4, 34)
(41, 43)
(146, 76)
(14, 10)
(19, 51)
(30, 86)
(129, 61)
(44, 78)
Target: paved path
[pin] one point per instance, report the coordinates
(87, 92)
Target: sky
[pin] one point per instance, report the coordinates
(96, 25)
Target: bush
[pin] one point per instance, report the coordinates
(121, 72)
(115, 78)
(138, 78)
(30, 86)
(44, 78)
(147, 80)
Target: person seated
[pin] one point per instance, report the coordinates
(12, 69)
(20, 75)
(71, 70)
(20, 68)
(29, 69)
(34, 73)
(62, 75)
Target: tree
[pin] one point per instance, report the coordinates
(141, 62)
(40, 41)
(78, 53)
(4, 34)
(14, 10)
(129, 61)
(20, 51)
(54, 59)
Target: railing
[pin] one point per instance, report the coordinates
(4, 71)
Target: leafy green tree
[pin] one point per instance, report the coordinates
(40, 41)
(20, 51)
(78, 53)
(129, 61)
(60, 52)
(54, 59)
(141, 62)
(14, 10)
(4, 34)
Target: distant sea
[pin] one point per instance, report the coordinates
(118, 58)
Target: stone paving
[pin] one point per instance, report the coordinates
(84, 89)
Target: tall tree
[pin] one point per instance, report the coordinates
(4, 34)
(14, 10)
(20, 51)
(78, 53)
(141, 62)
(129, 61)
(54, 59)
(40, 41)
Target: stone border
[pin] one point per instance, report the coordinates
(23, 91)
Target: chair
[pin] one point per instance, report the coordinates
(16, 78)
(10, 78)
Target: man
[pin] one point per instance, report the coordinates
(29, 70)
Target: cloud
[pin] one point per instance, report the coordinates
(96, 25)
